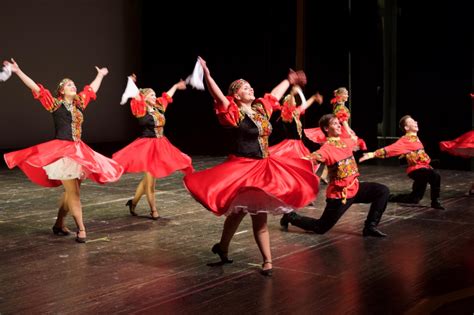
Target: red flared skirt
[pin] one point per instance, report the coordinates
(32, 160)
(291, 148)
(155, 155)
(272, 185)
(462, 146)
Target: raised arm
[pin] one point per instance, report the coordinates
(318, 98)
(101, 73)
(23, 77)
(181, 85)
(294, 77)
(214, 89)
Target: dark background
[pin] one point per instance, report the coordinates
(345, 44)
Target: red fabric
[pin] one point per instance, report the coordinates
(291, 148)
(50, 103)
(331, 155)
(164, 100)
(342, 113)
(31, 161)
(410, 146)
(138, 107)
(462, 146)
(229, 116)
(270, 103)
(287, 112)
(155, 155)
(291, 181)
(315, 134)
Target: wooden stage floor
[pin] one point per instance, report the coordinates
(134, 265)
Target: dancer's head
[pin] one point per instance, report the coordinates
(149, 95)
(330, 125)
(341, 95)
(66, 89)
(241, 91)
(408, 124)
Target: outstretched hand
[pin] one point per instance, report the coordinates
(204, 65)
(297, 77)
(181, 85)
(13, 65)
(133, 76)
(102, 71)
(365, 157)
(318, 98)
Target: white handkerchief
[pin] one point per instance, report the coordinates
(130, 91)
(196, 78)
(6, 73)
(303, 99)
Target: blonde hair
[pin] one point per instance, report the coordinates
(60, 86)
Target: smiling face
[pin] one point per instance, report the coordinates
(408, 124)
(334, 128)
(67, 89)
(411, 125)
(342, 94)
(245, 93)
(150, 97)
(330, 125)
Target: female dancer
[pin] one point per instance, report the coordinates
(66, 160)
(293, 145)
(151, 153)
(251, 181)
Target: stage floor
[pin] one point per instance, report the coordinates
(134, 265)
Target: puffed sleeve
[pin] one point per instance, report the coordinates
(46, 99)
(342, 113)
(270, 103)
(287, 111)
(230, 116)
(138, 107)
(164, 100)
(86, 96)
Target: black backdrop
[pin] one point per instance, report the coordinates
(255, 40)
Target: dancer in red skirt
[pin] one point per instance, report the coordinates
(293, 145)
(341, 95)
(251, 180)
(151, 153)
(462, 146)
(419, 168)
(66, 160)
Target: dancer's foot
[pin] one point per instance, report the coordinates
(267, 268)
(61, 231)
(216, 249)
(81, 236)
(131, 207)
(154, 214)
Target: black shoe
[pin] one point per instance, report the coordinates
(81, 240)
(285, 221)
(216, 249)
(60, 231)
(435, 204)
(372, 231)
(266, 272)
(131, 207)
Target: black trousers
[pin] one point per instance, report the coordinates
(374, 193)
(421, 177)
